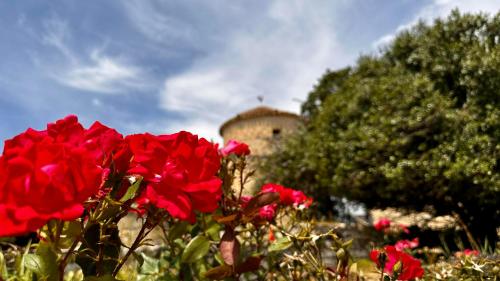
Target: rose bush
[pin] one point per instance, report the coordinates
(72, 186)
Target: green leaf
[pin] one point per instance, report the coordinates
(33, 262)
(131, 191)
(138, 258)
(196, 249)
(149, 265)
(177, 230)
(213, 229)
(280, 244)
(43, 263)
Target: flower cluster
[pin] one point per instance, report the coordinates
(51, 174)
(397, 263)
(180, 172)
(288, 196)
(406, 244)
(467, 253)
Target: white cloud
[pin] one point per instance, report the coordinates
(95, 72)
(441, 9)
(278, 56)
(102, 75)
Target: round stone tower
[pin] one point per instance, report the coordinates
(260, 128)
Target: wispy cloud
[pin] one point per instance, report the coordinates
(102, 75)
(93, 71)
(440, 9)
(281, 64)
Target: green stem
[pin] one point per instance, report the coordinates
(142, 234)
(62, 263)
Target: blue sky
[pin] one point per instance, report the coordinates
(165, 66)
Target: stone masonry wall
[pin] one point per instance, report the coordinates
(258, 132)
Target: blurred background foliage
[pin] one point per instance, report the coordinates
(416, 126)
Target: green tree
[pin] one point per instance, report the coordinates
(416, 127)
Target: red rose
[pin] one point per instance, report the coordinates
(180, 171)
(266, 212)
(467, 252)
(410, 267)
(67, 130)
(404, 228)
(107, 146)
(235, 147)
(406, 244)
(104, 144)
(288, 196)
(382, 224)
(149, 155)
(45, 175)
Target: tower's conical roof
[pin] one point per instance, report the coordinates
(258, 111)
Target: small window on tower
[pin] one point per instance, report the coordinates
(276, 133)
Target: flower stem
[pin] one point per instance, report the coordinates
(62, 263)
(145, 230)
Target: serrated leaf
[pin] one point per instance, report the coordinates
(131, 191)
(34, 263)
(196, 249)
(280, 244)
(43, 263)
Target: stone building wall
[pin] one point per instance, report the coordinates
(260, 132)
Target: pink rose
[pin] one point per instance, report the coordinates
(235, 147)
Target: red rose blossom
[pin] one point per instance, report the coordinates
(180, 172)
(406, 244)
(288, 196)
(266, 212)
(235, 147)
(382, 224)
(410, 267)
(45, 175)
(467, 252)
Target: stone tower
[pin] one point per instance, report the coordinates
(260, 128)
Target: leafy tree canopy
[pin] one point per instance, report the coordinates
(417, 126)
